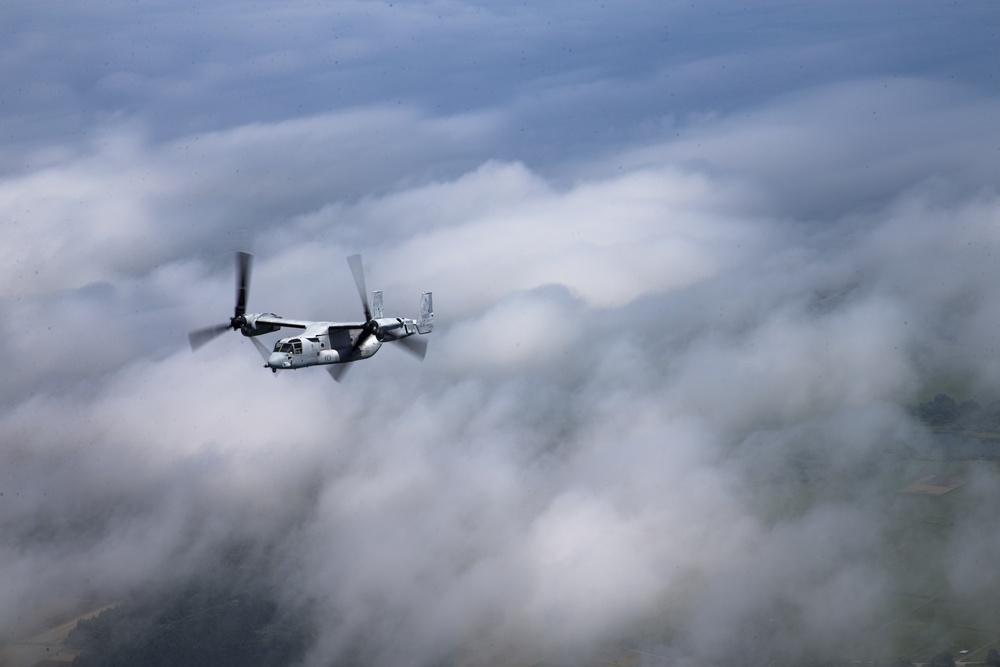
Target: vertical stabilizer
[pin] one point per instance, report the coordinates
(426, 322)
(377, 303)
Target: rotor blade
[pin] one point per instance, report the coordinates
(244, 267)
(337, 371)
(265, 353)
(414, 346)
(359, 279)
(199, 337)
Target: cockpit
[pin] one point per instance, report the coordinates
(290, 346)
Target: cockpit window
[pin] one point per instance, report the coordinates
(293, 346)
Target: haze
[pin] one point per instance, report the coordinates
(675, 251)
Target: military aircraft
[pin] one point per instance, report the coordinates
(330, 344)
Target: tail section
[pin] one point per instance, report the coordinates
(377, 304)
(425, 324)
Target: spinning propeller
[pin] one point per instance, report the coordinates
(417, 348)
(244, 267)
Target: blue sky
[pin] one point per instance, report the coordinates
(673, 247)
(587, 73)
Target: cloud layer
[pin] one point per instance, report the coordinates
(680, 311)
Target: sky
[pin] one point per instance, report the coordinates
(680, 253)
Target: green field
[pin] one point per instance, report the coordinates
(929, 617)
(925, 615)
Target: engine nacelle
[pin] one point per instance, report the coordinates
(250, 326)
(393, 328)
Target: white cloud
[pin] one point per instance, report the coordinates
(647, 313)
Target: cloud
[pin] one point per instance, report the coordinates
(827, 150)
(560, 471)
(664, 404)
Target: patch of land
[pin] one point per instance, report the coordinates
(934, 485)
(42, 643)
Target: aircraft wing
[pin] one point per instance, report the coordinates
(274, 320)
(277, 321)
(343, 326)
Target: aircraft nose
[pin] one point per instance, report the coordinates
(277, 360)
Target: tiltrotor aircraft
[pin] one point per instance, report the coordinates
(330, 344)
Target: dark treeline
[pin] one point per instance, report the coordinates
(219, 621)
(946, 414)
